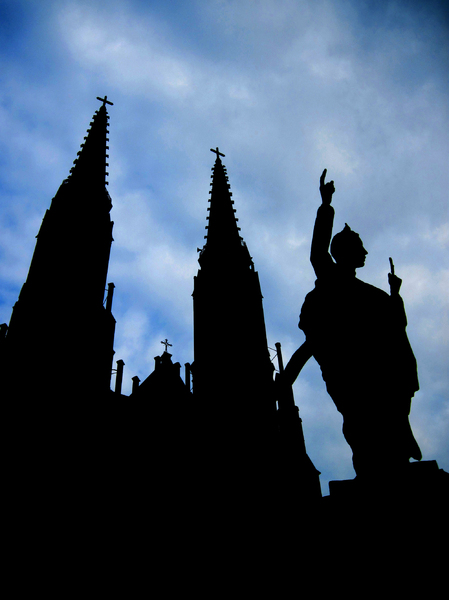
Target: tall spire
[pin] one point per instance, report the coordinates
(90, 166)
(60, 318)
(223, 240)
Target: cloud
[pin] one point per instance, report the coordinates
(424, 284)
(438, 235)
(135, 59)
(339, 159)
(154, 278)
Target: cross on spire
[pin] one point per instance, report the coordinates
(217, 152)
(166, 344)
(105, 101)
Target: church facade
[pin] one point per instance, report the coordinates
(234, 440)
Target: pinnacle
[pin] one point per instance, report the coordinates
(89, 167)
(223, 240)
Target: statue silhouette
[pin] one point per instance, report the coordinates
(357, 334)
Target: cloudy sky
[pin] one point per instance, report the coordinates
(285, 88)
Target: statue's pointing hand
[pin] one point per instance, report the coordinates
(326, 189)
(393, 280)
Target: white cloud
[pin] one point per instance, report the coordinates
(317, 50)
(438, 235)
(333, 153)
(434, 333)
(423, 284)
(130, 53)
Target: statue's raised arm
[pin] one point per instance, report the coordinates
(322, 233)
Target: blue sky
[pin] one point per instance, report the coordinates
(285, 89)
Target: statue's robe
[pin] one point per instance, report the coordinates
(357, 334)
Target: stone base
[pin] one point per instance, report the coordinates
(388, 532)
(420, 480)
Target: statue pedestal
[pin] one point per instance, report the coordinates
(420, 481)
(389, 530)
(385, 520)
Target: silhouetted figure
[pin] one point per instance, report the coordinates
(357, 334)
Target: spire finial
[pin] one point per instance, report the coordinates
(105, 101)
(166, 344)
(217, 152)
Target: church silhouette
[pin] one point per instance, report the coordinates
(213, 452)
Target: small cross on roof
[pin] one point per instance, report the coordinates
(166, 344)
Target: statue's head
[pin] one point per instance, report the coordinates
(347, 249)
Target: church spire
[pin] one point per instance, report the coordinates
(90, 167)
(223, 240)
(60, 318)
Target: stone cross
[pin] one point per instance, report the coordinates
(217, 152)
(166, 344)
(105, 101)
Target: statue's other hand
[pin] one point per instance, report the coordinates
(326, 189)
(395, 283)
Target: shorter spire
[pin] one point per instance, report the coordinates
(223, 240)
